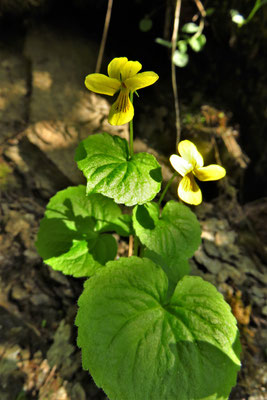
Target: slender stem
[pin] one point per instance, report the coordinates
(166, 188)
(104, 37)
(133, 240)
(131, 130)
(201, 8)
(257, 5)
(202, 21)
(174, 83)
(131, 244)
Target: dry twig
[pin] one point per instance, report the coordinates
(104, 37)
(174, 83)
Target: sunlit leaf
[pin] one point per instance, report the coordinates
(137, 344)
(104, 160)
(175, 233)
(72, 236)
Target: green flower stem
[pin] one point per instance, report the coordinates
(131, 130)
(257, 5)
(166, 188)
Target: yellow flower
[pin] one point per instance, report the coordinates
(122, 76)
(190, 164)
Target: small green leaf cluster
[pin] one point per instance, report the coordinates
(191, 36)
(147, 330)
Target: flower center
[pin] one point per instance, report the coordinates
(123, 100)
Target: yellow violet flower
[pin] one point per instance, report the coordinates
(190, 164)
(122, 76)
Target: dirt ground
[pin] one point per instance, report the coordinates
(44, 112)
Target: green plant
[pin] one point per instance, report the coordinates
(240, 20)
(191, 36)
(146, 328)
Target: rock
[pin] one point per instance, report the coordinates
(13, 92)
(31, 256)
(16, 224)
(61, 352)
(39, 173)
(40, 299)
(7, 178)
(13, 153)
(256, 212)
(223, 238)
(58, 277)
(19, 293)
(210, 248)
(212, 265)
(62, 112)
(11, 383)
(77, 392)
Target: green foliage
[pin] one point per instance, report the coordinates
(105, 162)
(176, 232)
(191, 35)
(197, 43)
(170, 238)
(147, 330)
(174, 267)
(71, 237)
(138, 344)
(182, 46)
(238, 19)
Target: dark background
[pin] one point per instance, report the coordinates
(230, 72)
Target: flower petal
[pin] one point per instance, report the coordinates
(189, 191)
(141, 80)
(212, 172)
(102, 84)
(122, 110)
(115, 66)
(190, 153)
(180, 164)
(130, 69)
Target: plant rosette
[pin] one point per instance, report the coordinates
(146, 328)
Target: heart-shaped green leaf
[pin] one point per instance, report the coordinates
(137, 345)
(105, 162)
(71, 237)
(176, 233)
(174, 267)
